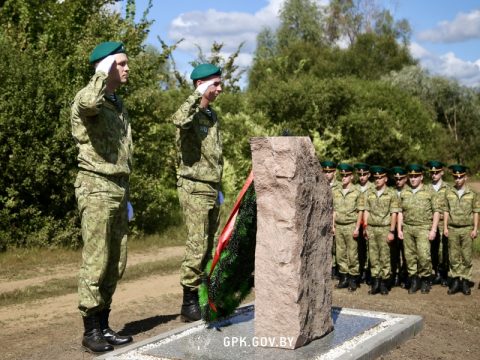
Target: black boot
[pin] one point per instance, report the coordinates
(368, 277)
(352, 283)
(437, 278)
(413, 285)
(444, 275)
(375, 288)
(395, 280)
(93, 339)
(335, 274)
(454, 286)
(405, 282)
(383, 287)
(190, 308)
(111, 336)
(343, 283)
(466, 287)
(425, 288)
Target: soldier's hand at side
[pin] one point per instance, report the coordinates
(202, 88)
(356, 232)
(445, 232)
(106, 64)
(474, 234)
(390, 237)
(400, 234)
(365, 234)
(431, 235)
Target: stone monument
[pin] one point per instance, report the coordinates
(293, 261)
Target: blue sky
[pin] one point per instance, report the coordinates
(446, 33)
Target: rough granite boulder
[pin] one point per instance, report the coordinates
(293, 259)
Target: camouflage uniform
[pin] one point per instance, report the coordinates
(418, 209)
(346, 207)
(460, 225)
(363, 251)
(101, 129)
(380, 210)
(439, 247)
(199, 171)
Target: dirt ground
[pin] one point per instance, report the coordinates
(52, 329)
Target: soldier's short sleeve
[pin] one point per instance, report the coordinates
(361, 201)
(438, 203)
(366, 202)
(476, 203)
(184, 115)
(395, 204)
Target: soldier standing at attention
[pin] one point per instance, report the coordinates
(397, 253)
(462, 206)
(417, 226)
(101, 129)
(199, 173)
(379, 220)
(363, 174)
(439, 247)
(329, 168)
(348, 208)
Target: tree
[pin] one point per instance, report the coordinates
(456, 108)
(300, 21)
(44, 46)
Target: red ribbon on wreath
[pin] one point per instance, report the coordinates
(227, 231)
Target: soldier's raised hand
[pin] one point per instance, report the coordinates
(202, 88)
(106, 64)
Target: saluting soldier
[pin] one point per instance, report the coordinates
(329, 168)
(379, 220)
(363, 174)
(199, 173)
(348, 205)
(462, 206)
(397, 253)
(417, 226)
(102, 133)
(439, 247)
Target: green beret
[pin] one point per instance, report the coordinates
(378, 171)
(106, 48)
(328, 165)
(362, 168)
(203, 71)
(414, 169)
(345, 168)
(458, 170)
(398, 172)
(434, 165)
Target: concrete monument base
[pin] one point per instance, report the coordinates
(357, 334)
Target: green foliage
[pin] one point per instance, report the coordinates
(44, 46)
(341, 74)
(455, 108)
(232, 278)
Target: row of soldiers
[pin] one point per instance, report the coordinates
(411, 234)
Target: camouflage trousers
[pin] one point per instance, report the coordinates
(201, 214)
(346, 249)
(460, 250)
(102, 203)
(379, 252)
(417, 250)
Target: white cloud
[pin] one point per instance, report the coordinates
(448, 65)
(464, 27)
(202, 28)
